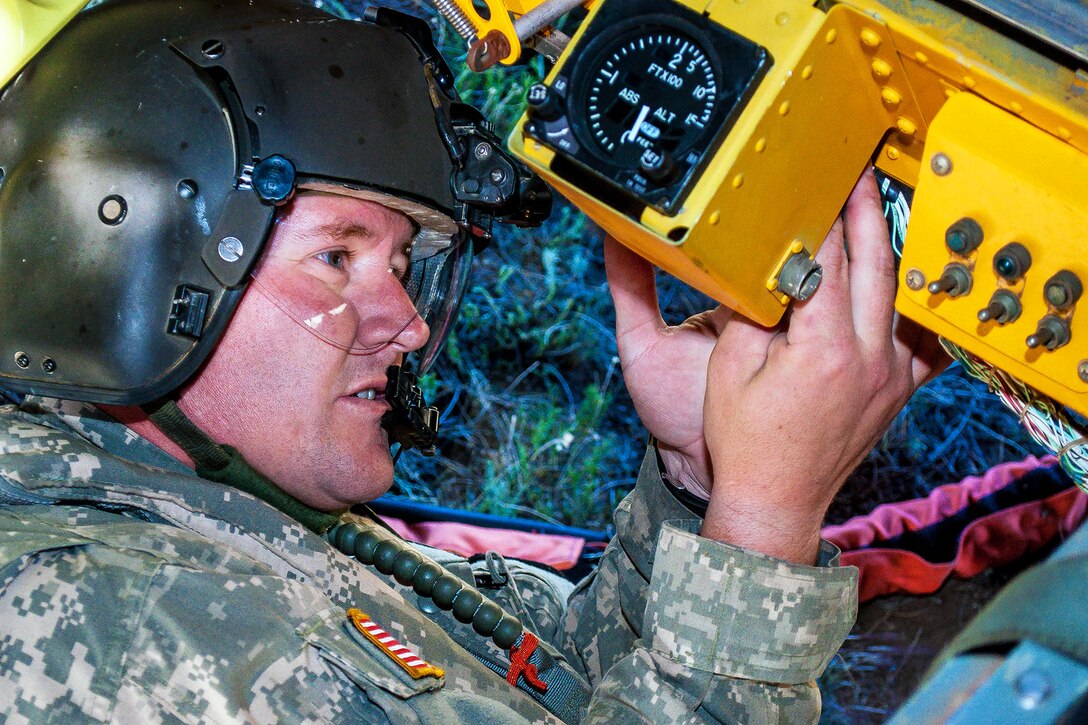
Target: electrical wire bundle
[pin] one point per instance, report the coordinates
(1054, 427)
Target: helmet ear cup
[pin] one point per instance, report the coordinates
(115, 173)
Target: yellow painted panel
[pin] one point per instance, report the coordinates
(944, 52)
(1022, 185)
(498, 19)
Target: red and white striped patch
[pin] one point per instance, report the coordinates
(406, 658)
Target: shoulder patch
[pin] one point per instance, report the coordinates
(406, 658)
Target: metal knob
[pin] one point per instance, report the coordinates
(658, 166)
(544, 103)
(800, 276)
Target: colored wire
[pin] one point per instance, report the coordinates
(1053, 426)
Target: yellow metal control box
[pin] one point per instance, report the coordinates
(1023, 187)
(812, 120)
(837, 86)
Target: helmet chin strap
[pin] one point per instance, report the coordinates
(224, 464)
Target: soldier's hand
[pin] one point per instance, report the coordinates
(788, 411)
(664, 367)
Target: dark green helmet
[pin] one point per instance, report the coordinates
(143, 153)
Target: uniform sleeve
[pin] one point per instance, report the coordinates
(675, 627)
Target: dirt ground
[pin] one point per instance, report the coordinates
(895, 640)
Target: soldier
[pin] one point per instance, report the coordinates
(223, 226)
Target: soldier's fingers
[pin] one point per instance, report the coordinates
(634, 291)
(827, 314)
(921, 349)
(743, 348)
(719, 317)
(872, 264)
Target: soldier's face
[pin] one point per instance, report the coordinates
(297, 381)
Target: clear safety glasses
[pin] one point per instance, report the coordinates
(369, 314)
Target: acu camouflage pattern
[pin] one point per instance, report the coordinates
(132, 590)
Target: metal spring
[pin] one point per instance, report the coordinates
(456, 17)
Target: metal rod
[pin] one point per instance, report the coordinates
(402, 508)
(542, 16)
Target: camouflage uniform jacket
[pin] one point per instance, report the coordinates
(132, 590)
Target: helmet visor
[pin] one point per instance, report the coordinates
(437, 284)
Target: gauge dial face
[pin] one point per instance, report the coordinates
(650, 96)
(642, 105)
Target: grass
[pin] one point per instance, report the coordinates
(536, 421)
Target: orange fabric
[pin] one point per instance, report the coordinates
(992, 540)
(890, 520)
(558, 552)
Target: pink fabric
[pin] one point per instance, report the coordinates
(558, 552)
(995, 539)
(890, 520)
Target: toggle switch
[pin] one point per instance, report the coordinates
(955, 281)
(1004, 308)
(1053, 332)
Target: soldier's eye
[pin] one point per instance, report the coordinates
(336, 258)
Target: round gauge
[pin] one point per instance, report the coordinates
(647, 96)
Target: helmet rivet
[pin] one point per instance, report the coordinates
(112, 210)
(498, 176)
(482, 150)
(49, 365)
(1033, 687)
(22, 360)
(231, 249)
(212, 48)
(187, 188)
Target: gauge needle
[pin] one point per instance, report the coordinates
(633, 133)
